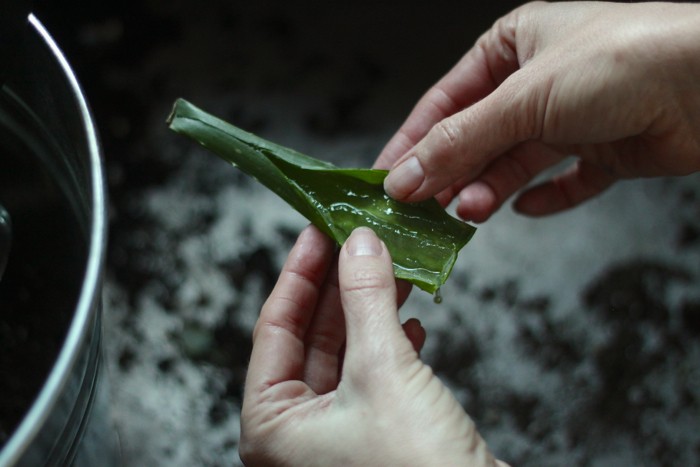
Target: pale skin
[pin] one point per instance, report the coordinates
(615, 85)
(334, 378)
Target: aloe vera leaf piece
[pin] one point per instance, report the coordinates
(422, 238)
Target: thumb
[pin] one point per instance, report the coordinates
(461, 146)
(368, 296)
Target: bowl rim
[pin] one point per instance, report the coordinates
(88, 301)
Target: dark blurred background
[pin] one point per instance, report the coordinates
(564, 351)
(361, 65)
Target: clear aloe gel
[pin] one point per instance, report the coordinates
(423, 238)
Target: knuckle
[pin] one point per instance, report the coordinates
(366, 279)
(448, 131)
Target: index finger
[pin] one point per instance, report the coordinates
(492, 59)
(278, 338)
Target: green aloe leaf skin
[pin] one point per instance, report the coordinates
(423, 238)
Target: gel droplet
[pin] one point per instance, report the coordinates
(437, 297)
(5, 238)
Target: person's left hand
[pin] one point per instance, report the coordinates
(331, 388)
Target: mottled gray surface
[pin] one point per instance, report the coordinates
(571, 340)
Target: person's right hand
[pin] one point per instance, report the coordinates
(617, 85)
(335, 379)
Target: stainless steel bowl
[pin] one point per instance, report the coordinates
(67, 423)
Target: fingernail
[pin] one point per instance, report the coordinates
(404, 179)
(363, 242)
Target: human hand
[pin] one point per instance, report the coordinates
(614, 84)
(335, 380)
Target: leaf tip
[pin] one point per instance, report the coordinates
(174, 111)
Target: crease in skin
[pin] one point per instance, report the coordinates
(449, 128)
(507, 31)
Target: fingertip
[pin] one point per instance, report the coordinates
(364, 242)
(405, 178)
(365, 263)
(415, 332)
(313, 235)
(311, 246)
(477, 202)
